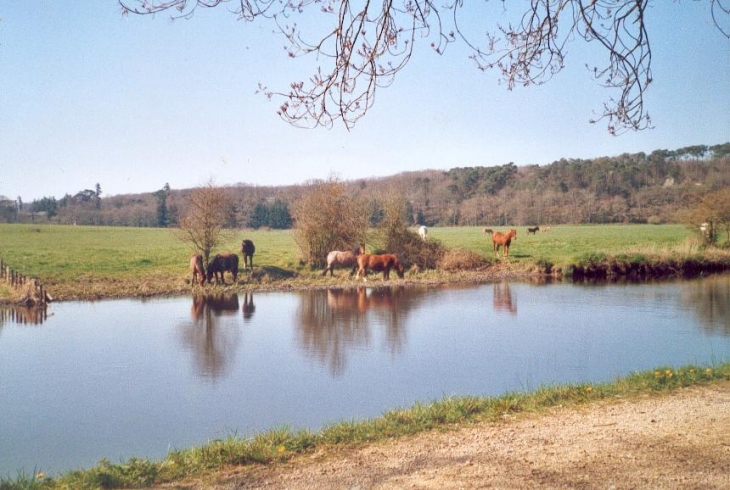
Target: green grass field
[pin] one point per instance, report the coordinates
(92, 262)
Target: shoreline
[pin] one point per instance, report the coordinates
(98, 289)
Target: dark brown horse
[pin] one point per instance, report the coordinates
(378, 263)
(196, 267)
(247, 250)
(221, 263)
(533, 230)
(343, 259)
(503, 240)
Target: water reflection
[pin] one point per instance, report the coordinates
(335, 321)
(24, 315)
(248, 307)
(710, 300)
(502, 298)
(212, 340)
(313, 357)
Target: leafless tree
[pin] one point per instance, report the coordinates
(368, 43)
(205, 218)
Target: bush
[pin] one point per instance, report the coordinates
(328, 218)
(394, 237)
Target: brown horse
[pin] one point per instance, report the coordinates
(533, 230)
(247, 250)
(343, 259)
(196, 267)
(221, 263)
(378, 263)
(500, 239)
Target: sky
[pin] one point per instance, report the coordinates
(88, 96)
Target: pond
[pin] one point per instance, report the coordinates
(82, 381)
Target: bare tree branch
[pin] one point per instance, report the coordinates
(369, 42)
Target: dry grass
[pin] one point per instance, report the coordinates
(460, 259)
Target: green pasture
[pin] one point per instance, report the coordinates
(87, 262)
(566, 244)
(58, 253)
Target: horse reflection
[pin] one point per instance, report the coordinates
(248, 307)
(217, 304)
(502, 298)
(336, 321)
(212, 337)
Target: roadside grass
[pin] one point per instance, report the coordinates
(87, 262)
(283, 443)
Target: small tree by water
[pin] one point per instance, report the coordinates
(328, 217)
(205, 219)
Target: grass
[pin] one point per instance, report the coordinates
(86, 262)
(282, 444)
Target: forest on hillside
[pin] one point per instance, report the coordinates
(629, 188)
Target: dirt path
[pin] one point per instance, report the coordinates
(681, 440)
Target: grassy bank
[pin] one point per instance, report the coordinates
(283, 444)
(79, 262)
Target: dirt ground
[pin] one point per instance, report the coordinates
(677, 440)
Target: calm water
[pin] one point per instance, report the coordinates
(116, 379)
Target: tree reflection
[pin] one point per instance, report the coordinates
(710, 300)
(211, 339)
(335, 321)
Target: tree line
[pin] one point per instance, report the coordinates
(629, 188)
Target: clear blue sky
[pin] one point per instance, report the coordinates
(87, 96)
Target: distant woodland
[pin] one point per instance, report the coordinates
(629, 188)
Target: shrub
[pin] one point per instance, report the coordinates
(328, 218)
(393, 236)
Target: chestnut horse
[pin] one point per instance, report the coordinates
(196, 267)
(500, 239)
(378, 263)
(343, 259)
(247, 250)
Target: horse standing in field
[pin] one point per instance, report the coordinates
(343, 259)
(222, 263)
(488, 231)
(503, 240)
(533, 230)
(196, 267)
(423, 232)
(247, 250)
(378, 263)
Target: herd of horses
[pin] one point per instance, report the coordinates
(355, 260)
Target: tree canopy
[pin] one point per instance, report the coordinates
(367, 43)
